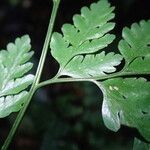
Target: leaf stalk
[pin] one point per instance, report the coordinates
(90, 79)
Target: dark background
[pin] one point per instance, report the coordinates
(63, 116)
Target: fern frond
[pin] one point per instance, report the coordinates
(92, 65)
(135, 47)
(89, 34)
(14, 65)
(126, 101)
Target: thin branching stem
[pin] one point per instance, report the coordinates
(37, 77)
(69, 79)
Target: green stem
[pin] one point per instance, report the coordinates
(63, 80)
(37, 77)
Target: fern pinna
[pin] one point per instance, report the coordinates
(80, 52)
(13, 65)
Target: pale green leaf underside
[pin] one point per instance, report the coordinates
(127, 102)
(92, 65)
(12, 103)
(135, 47)
(86, 36)
(14, 65)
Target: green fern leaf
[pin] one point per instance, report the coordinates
(135, 47)
(13, 81)
(86, 36)
(92, 65)
(126, 101)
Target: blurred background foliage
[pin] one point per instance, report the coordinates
(63, 116)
